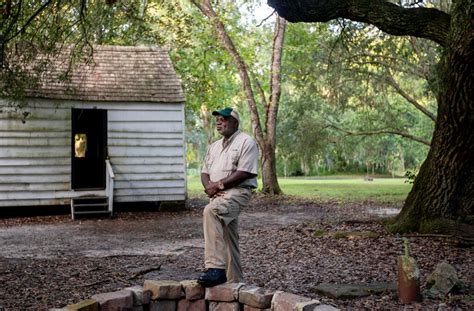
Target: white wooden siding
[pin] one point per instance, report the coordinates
(145, 146)
(145, 126)
(140, 151)
(34, 202)
(142, 184)
(35, 164)
(56, 186)
(38, 125)
(35, 170)
(144, 115)
(146, 152)
(148, 177)
(34, 151)
(146, 160)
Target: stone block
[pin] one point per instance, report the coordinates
(192, 290)
(194, 305)
(351, 291)
(163, 289)
(224, 306)
(326, 308)
(283, 301)
(442, 280)
(307, 306)
(255, 297)
(140, 296)
(163, 305)
(115, 300)
(85, 305)
(249, 308)
(225, 292)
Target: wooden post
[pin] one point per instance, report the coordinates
(408, 277)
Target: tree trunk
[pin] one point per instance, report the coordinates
(443, 191)
(269, 173)
(269, 177)
(402, 162)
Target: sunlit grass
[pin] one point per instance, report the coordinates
(340, 188)
(194, 186)
(349, 190)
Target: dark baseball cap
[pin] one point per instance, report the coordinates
(227, 112)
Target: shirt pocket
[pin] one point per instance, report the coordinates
(232, 159)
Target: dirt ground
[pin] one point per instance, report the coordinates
(287, 244)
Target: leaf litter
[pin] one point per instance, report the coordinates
(286, 243)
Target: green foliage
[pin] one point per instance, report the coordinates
(209, 77)
(44, 28)
(335, 76)
(343, 90)
(319, 233)
(410, 175)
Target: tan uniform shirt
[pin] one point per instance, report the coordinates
(240, 153)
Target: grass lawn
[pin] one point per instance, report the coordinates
(340, 188)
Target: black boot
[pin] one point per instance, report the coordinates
(212, 277)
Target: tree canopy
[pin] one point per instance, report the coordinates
(365, 89)
(441, 198)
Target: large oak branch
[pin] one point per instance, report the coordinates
(380, 132)
(391, 81)
(425, 23)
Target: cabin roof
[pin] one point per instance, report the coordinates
(113, 73)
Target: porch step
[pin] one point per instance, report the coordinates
(90, 205)
(91, 212)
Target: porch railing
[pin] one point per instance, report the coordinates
(109, 185)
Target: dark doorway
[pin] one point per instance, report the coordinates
(89, 144)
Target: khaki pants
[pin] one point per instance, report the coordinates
(221, 219)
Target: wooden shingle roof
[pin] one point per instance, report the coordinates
(115, 73)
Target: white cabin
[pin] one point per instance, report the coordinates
(114, 127)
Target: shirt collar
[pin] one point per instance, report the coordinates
(226, 141)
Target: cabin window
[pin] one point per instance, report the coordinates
(80, 145)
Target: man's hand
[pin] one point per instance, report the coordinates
(212, 189)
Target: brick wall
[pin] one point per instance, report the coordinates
(164, 295)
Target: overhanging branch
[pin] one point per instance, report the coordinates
(428, 23)
(391, 81)
(388, 78)
(381, 132)
(400, 64)
(30, 19)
